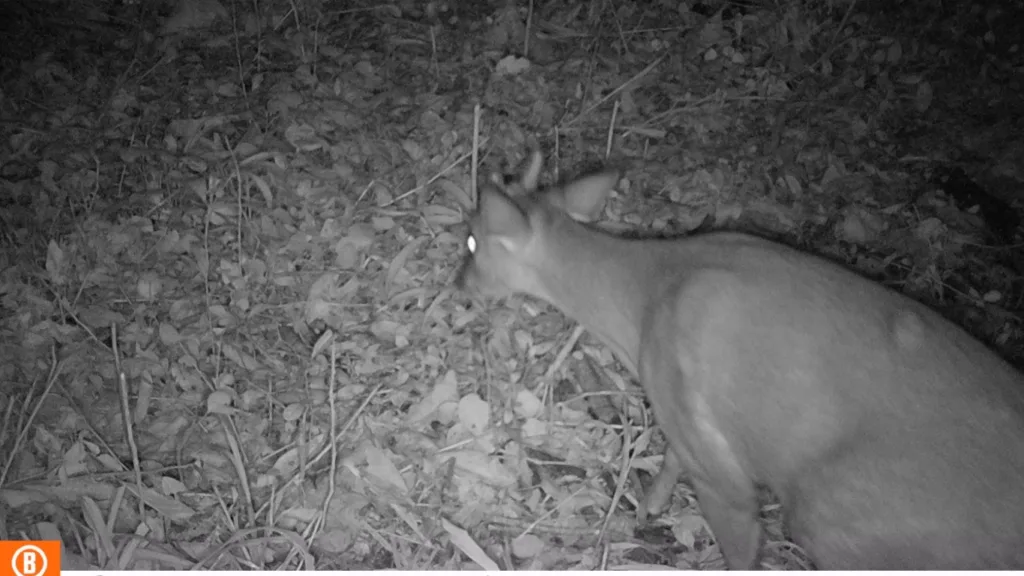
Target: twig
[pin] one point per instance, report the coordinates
(56, 367)
(126, 417)
(529, 26)
(476, 154)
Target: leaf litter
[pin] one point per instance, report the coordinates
(228, 331)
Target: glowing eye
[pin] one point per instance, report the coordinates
(471, 244)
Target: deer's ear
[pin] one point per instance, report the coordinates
(584, 199)
(502, 219)
(531, 174)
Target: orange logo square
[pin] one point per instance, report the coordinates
(30, 557)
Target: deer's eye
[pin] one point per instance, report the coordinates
(471, 244)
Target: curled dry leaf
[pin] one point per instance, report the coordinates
(380, 466)
(527, 404)
(464, 542)
(474, 413)
(219, 402)
(527, 546)
(444, 391)
(149, 286)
